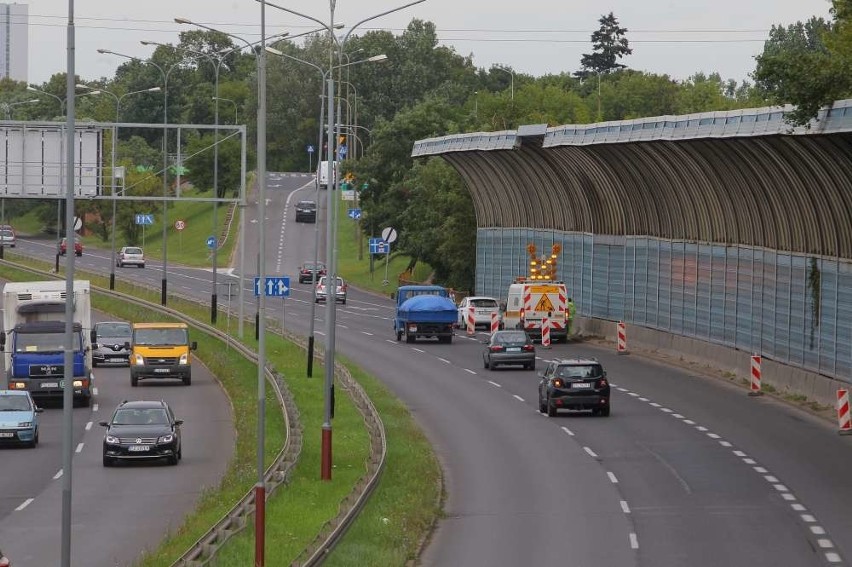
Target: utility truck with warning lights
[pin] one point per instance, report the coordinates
(539, 296)
(33, 339)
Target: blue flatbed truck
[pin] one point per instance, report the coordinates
(424, 311)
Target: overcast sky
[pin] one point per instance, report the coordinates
(675, 37)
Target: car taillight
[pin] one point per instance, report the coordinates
(495, 348)
(528, 348)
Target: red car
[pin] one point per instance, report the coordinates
(63, 247)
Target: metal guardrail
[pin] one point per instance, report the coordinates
(205, 548)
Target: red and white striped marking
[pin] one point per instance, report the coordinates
(844, 419)
(495, 322)
(545, 332)
(621, 347)
(754, 389)
(471, 322)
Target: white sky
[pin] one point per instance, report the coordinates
(676, 37)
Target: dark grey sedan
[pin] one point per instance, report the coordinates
(509, 347)
(110, 337)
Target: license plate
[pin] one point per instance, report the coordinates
(513, 349)
(6, 434)
(138, 448)
(580, 385)
(50, 384)
(161, 370)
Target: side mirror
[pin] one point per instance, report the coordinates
(178, 422)
(93, 336)
(103, 423)
(95, 346)
(38, 410)
(193, 345)
(127, 345)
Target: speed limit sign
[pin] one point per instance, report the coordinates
(180, 225)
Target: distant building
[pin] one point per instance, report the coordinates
(14, 22)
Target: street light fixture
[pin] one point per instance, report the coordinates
(512, 73)
(8, 106)
(232, 102)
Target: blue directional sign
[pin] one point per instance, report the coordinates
(144, 218)
(211, 242)
(379, 246)
(310, 149)
(274, 287)
(354, 214)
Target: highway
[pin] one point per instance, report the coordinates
(688, 470)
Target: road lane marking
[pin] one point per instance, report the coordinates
(79, 448)
(822, 542)
(444, 360)
(26, 503)
(634, 541)
(701, 428)
(832, 557)
(713, 436)
(770, 478)
(495, 384)
(88, 426)
(781, 488)
(655, 405)
(390, 341)
(677, 416)
(612, 478)
(568, 431)
(689, 422)
(808, 518)
(517, 397)
(725, 444)
(366, 333)
(817, 530)
(58, 475)
(417, 350)
(94, 391)
(624, 507)
(643, 399)
(94, 408)
(634, 394)
(740, 453)
(666, 410)
(787, 496)
(469, 371)
(760, 470)
(797, 507)
(591, 453)
(750, 461)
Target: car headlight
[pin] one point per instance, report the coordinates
(138, 359)
(166, 438)
(78, 383)
(111, 440)
(184, 358)
(25, 424)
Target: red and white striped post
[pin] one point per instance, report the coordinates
(495, 322)
(621, 345)
(545, 332)
(844, 419)
(471, 322)
(754, 388)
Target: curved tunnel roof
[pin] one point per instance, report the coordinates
(737, 177)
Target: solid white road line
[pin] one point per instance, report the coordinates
(26, 503)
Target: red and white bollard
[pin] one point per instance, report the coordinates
(754, 389)
(495, 322)
(471, 322)
(621, 345)
(844, 419)
(545, 332)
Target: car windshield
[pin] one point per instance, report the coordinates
(132, 416)
(307, 205)
(579, 371)
(43, 342)
(132, 250)
(489, 303)
(160, 337)
(14, 403)
(507, 338)
(113, 330)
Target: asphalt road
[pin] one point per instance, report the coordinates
(117, 512)
(688, 470)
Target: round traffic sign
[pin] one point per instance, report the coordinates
(389, 235)
(211, 242)
(180, 225)
(78, 223)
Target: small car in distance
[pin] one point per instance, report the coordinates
(306, 211)
(18, 418)
(63, 247)
(142, 430)
(482, 307)
(109, 342)
(4, 561)
(130, 256)
(310, 270)
(7, 236)
(509, 347)
(321, 293)
(575, 384)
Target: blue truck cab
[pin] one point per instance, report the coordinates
(37, 351)
(424, 311)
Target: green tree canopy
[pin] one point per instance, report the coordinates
(609, 45)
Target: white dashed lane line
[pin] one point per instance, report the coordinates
(591, 453)
(23, 505)
(79, 447)
(444, 360)
(88, 426)
(366, 333)
(568, 431)
(469, 371)
(624, 507)
(417, 350)
(612, 478)
(634, 541)
(94, 408)
(58, 475)
(517, 397)
(495, 384)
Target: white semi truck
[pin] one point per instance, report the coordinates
(33, 339)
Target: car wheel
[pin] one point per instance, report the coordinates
(108, 462)
(78, 254)
(343, 302)
(187, 380)
(492, 365)
(484, 362)
(409, 338)
(551, 409)
(119, 265)
(173, 460)
(180, 453)
(604, 412)
(398, 336)
(94, 364)
(134, 380)
(141, 265)
(542, 407)
(531, 365)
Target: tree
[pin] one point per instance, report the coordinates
(610, 45)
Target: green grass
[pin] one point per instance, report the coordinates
(26, 225)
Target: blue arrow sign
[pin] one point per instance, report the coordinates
(144, 218)
(273, 287)
(211, 242)
(354, 214)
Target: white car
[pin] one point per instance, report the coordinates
(130, 256)
(483, 307)
(321, 293)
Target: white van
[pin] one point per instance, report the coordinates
(322, 174)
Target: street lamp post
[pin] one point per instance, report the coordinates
(118, 100)
(331, 232)
(512, 73)
(232, 102)
(8, 106)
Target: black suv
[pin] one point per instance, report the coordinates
(306, 211)
(574, 383)
(142, 430)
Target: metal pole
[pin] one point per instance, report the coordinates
(112, 185)
(242, 205)
(316, 245)
(260, 489)
(165, 181)
(331, 281)
(68, 372)
(213, 299)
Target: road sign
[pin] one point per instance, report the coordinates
(274, 287)
(310, 149)
(78, 223)
(144, 219)
(211, 242)
(379, 246)
(354, 214)
(341, 151)
(389, 235)
(180, 225)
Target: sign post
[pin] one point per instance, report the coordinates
(388, 237)
(144, 219)
(179, 226)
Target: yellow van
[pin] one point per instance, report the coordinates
(160, 350)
